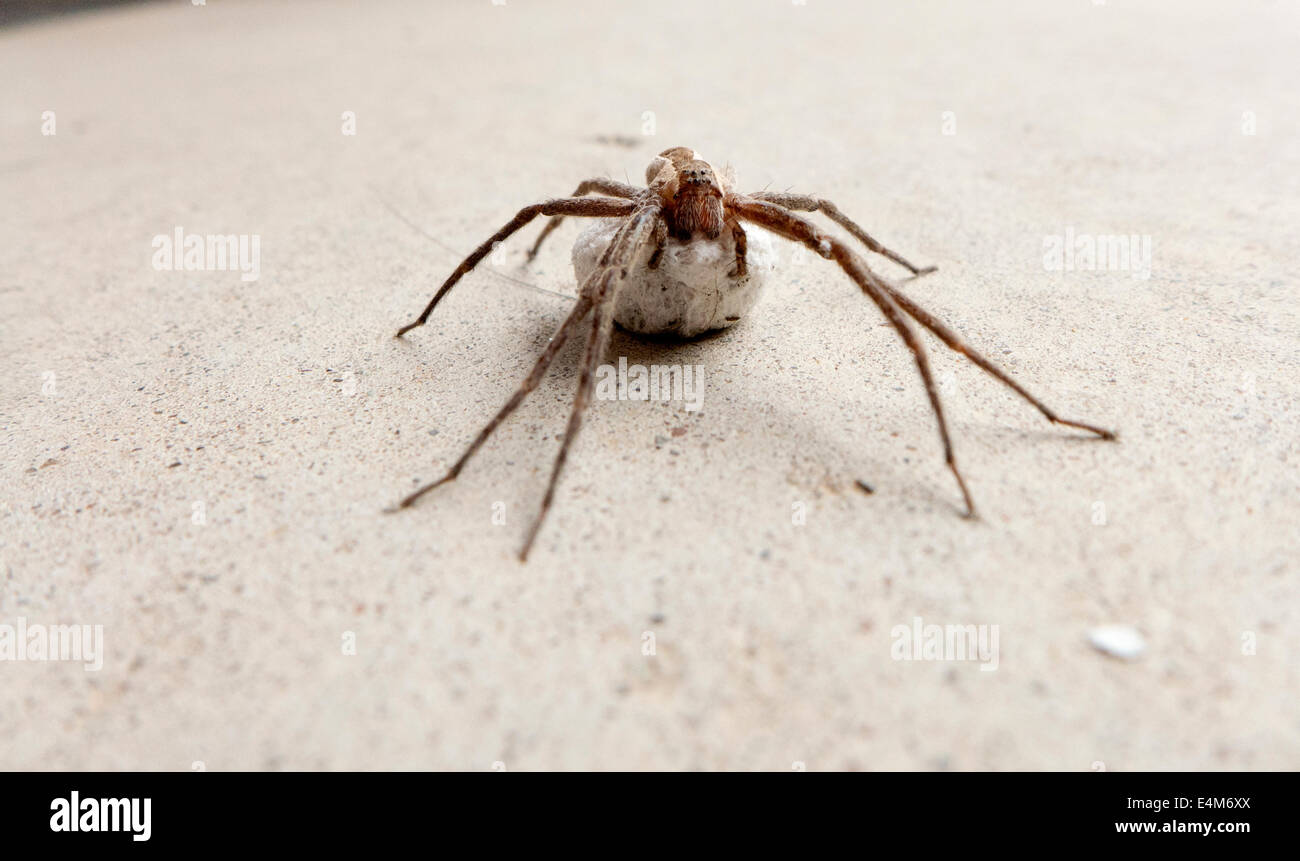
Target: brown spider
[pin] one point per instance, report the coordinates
(688, 201)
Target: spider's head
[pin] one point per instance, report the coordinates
(691, 189)
(697, 177)
(681, 170)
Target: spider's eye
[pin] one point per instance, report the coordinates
(697, 175)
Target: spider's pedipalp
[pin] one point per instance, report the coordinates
(592, 207)
(809, 203)
(599, 184)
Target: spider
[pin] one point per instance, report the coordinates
(686, 203)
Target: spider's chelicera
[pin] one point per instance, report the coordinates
(687, 202)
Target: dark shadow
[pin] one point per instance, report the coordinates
(23, 11)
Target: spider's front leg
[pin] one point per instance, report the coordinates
(785, 223)
(892, 302)
(622, 253)
(597, 184)
(534, 378)
(592, 207)
(597, 292)
(809, 203)
(955, 343)
(950, 338)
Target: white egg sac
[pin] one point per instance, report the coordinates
(691, 290)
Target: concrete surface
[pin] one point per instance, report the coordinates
(200, 463)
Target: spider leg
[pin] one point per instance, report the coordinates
(639, 229)
(530, 383)
(598, 184)
(661, 237)
(809, 203)
(742, 246)
(534, 378)
(595, 207)
(597, 291)
(955, 343)
(785, 223)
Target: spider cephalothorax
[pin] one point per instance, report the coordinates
(687, 201)
(691, 191)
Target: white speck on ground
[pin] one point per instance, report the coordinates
(1120, 641)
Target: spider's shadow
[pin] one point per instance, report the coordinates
(793, 424)
(668, 349)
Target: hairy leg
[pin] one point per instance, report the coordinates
(955, 343)
(742, 246)
(809, 203)
(530, 383)
(593, 207)
(660, 237)
(598, 292)
(925, 318)
(639, 230)
(785, 223)
(585, 301)
(598, 184)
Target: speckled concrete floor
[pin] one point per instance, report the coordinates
(200, 463)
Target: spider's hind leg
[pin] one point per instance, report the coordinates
(809, 203)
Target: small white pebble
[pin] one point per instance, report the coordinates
(1119, 641)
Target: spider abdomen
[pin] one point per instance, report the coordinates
(692, 290)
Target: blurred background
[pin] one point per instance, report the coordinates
(14, 11)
